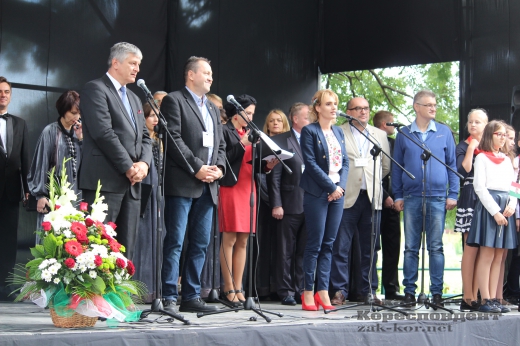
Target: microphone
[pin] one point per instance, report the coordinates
(395, 124)
(343, 115)
(231, 99)
(140, 84)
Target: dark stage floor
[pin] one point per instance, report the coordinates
(26, 324)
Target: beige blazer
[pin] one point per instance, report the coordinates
(355, 174)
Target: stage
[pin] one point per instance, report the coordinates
(27, 324)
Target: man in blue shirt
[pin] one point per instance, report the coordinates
(435, 182)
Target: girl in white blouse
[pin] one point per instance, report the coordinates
(493, 225)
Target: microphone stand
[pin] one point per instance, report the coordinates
(425, 156)
(157, 305)
(249, 304)
(375, 151)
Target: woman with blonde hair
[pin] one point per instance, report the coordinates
(275, 123)
(323, 180)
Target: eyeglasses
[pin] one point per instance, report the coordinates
(429, 105)
(500, 134)
(359, 109)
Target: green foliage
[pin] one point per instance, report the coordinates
(393, 89)
(38, 251)
(50, 244)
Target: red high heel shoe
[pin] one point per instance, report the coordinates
(308, 307)
(318, 302)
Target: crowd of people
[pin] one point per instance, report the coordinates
(319, 228)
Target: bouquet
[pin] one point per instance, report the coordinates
(80, 266)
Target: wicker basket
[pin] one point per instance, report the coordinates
(74, 321)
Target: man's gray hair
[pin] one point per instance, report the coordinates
(121, 50)
(422, 94)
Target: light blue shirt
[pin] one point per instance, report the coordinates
(424, 135)
(298, 135)
(208, 122)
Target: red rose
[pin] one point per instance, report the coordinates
(69, 262)
(98, 260)
(74, 248)
(83, 206)
(82, 238)
(89, 222)
(121, 263)
(114, 245)
(130, 268)
(111, 224)
(46, 226)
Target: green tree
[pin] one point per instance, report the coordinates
(393, 89)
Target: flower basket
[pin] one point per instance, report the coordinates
(74, 321)
(79, 270)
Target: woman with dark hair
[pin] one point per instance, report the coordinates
(234, 207)
(58, 140)
(323, 180)
(144, 260)
(493, 226)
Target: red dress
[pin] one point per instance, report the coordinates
(234, 209)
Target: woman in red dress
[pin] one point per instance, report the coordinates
(234, 208)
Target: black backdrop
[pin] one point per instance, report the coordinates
(273, 50)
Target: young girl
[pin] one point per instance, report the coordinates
(493, 227)
(465, 151)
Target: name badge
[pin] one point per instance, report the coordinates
(207, 139)
(361, 162)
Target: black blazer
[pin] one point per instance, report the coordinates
(110, 143)
(235, 153)
(315, 179)
(186, 125)
(284, 188)
(14, 166)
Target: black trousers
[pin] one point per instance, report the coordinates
(9, 230)
(291, 237)
(124, 211)
(390, 244)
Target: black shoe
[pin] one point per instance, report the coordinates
(465, 307)
(228, 302)
(170, 306)
(437, 300)
(289, 300)
(298, 298)
(196, 305)
(409, 299)
(393, 296)
(488, 306)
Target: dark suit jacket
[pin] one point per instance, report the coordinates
(235, 153)
(15, 166)
(284, 188)
(186, 125)
(110, 143)
(315, 179)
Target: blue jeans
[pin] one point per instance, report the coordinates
(355, 220)
(413, 221)
(322, 220)
(197, 215)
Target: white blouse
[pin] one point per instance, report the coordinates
(492, 176)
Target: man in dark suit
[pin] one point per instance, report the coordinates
(14, 166)
(117, 149)
(390, 221)
(286, 198)
(194, 163)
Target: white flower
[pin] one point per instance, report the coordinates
(68, 234)
(56, 218)
(110, 231)
(100, 250)
(53, 269)
(56, 280)
(98, 210)
(46, 275)
(92, 274)
(44, 264)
